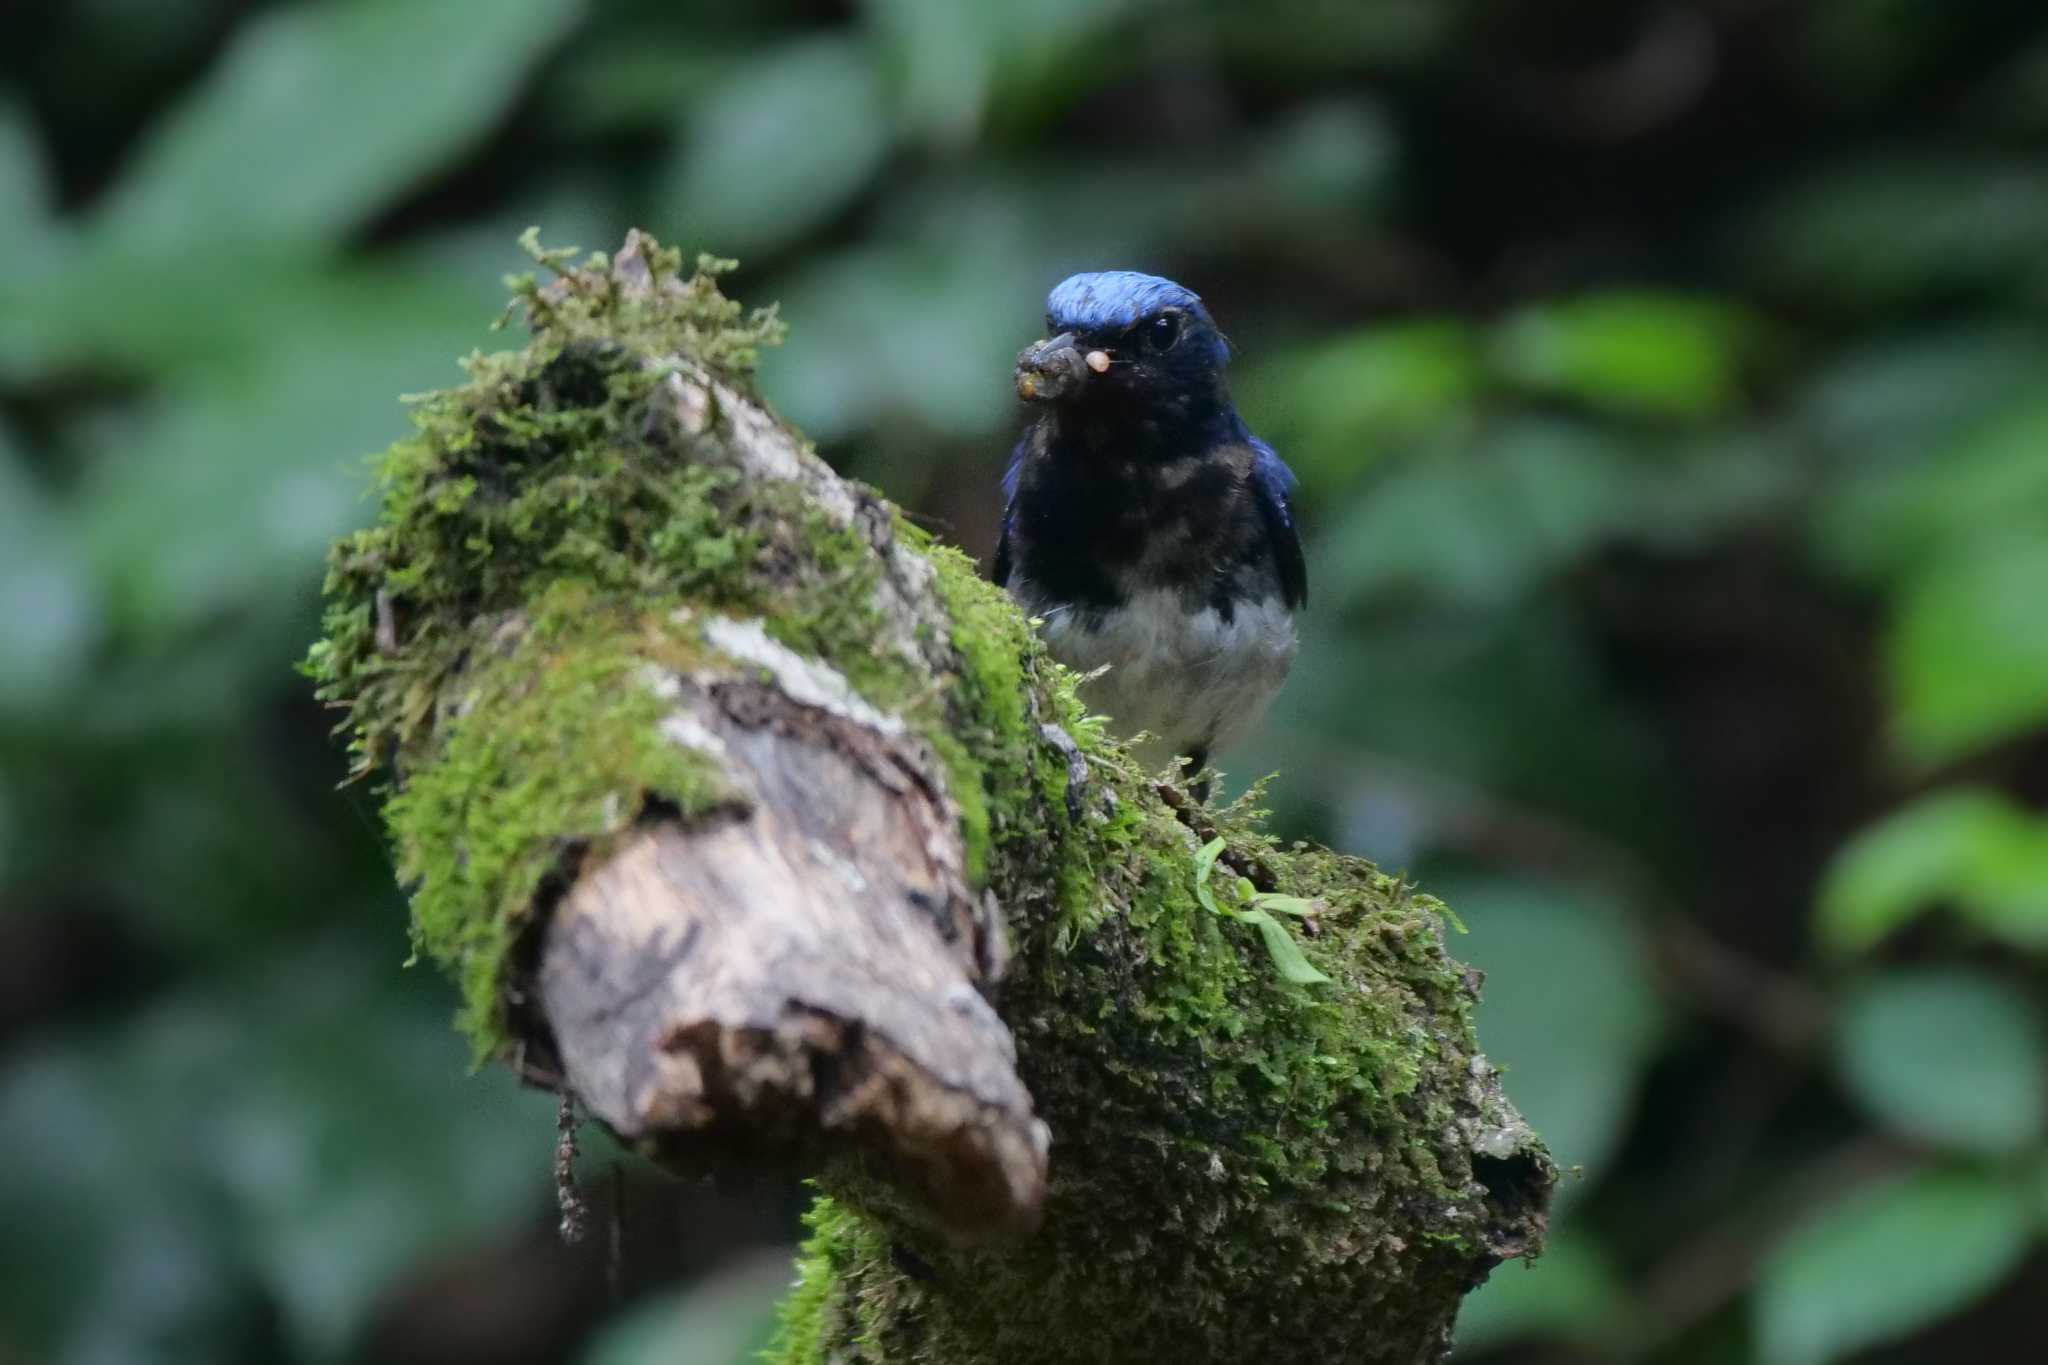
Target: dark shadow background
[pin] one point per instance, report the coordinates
(1669, 387)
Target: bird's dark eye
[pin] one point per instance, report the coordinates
(1161, 332)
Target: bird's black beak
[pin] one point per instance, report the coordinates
(1050, 370)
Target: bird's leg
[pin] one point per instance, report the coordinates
(1196, 817)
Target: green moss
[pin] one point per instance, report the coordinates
(800, 1327)
(461, 540)
(833, 616)
(1270, 1140)
(987, 741)
(681, 315)
(536, 535)
(556, 742)
(1224, 1137)
(805, 1321)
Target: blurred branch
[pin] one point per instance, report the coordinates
(1773, 1007)
(1704, 1274)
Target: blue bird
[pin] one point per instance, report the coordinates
(1144, 523)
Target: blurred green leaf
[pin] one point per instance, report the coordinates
(1968, 651)
(1971, 848)
(1291, 184)
(1512, 705)
(943, 59)
(779, 146)
(233, 1133)
(48, 610)
(1632, 353)
(727, 1318)
(628, 86)
(951, 61)
(923, 318)
(1568, 1012)
(1708, 486)
(1898, 228)
(1483, 519)
(1481, 523)
(28, 223)
(319, 116)
(1571, 1292)
(903, 330)
(273, 382)
(1886, 1261)
(1990, 477)
(1332, 154)
(1906, 399)
(1334, 404)
(1954, 1058)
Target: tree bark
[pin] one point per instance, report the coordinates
(765, 828)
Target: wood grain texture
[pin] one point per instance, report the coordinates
(801, 973)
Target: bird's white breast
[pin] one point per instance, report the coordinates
(1192, 679)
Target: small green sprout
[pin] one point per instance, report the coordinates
(1257, 908)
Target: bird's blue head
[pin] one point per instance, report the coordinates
(1121, 342)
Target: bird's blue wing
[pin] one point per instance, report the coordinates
(1273, 483)
(1010, 477)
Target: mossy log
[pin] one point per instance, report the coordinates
(763, 826)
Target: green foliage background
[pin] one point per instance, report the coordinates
(1669, 386)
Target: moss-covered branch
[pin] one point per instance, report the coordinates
(733, 803)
